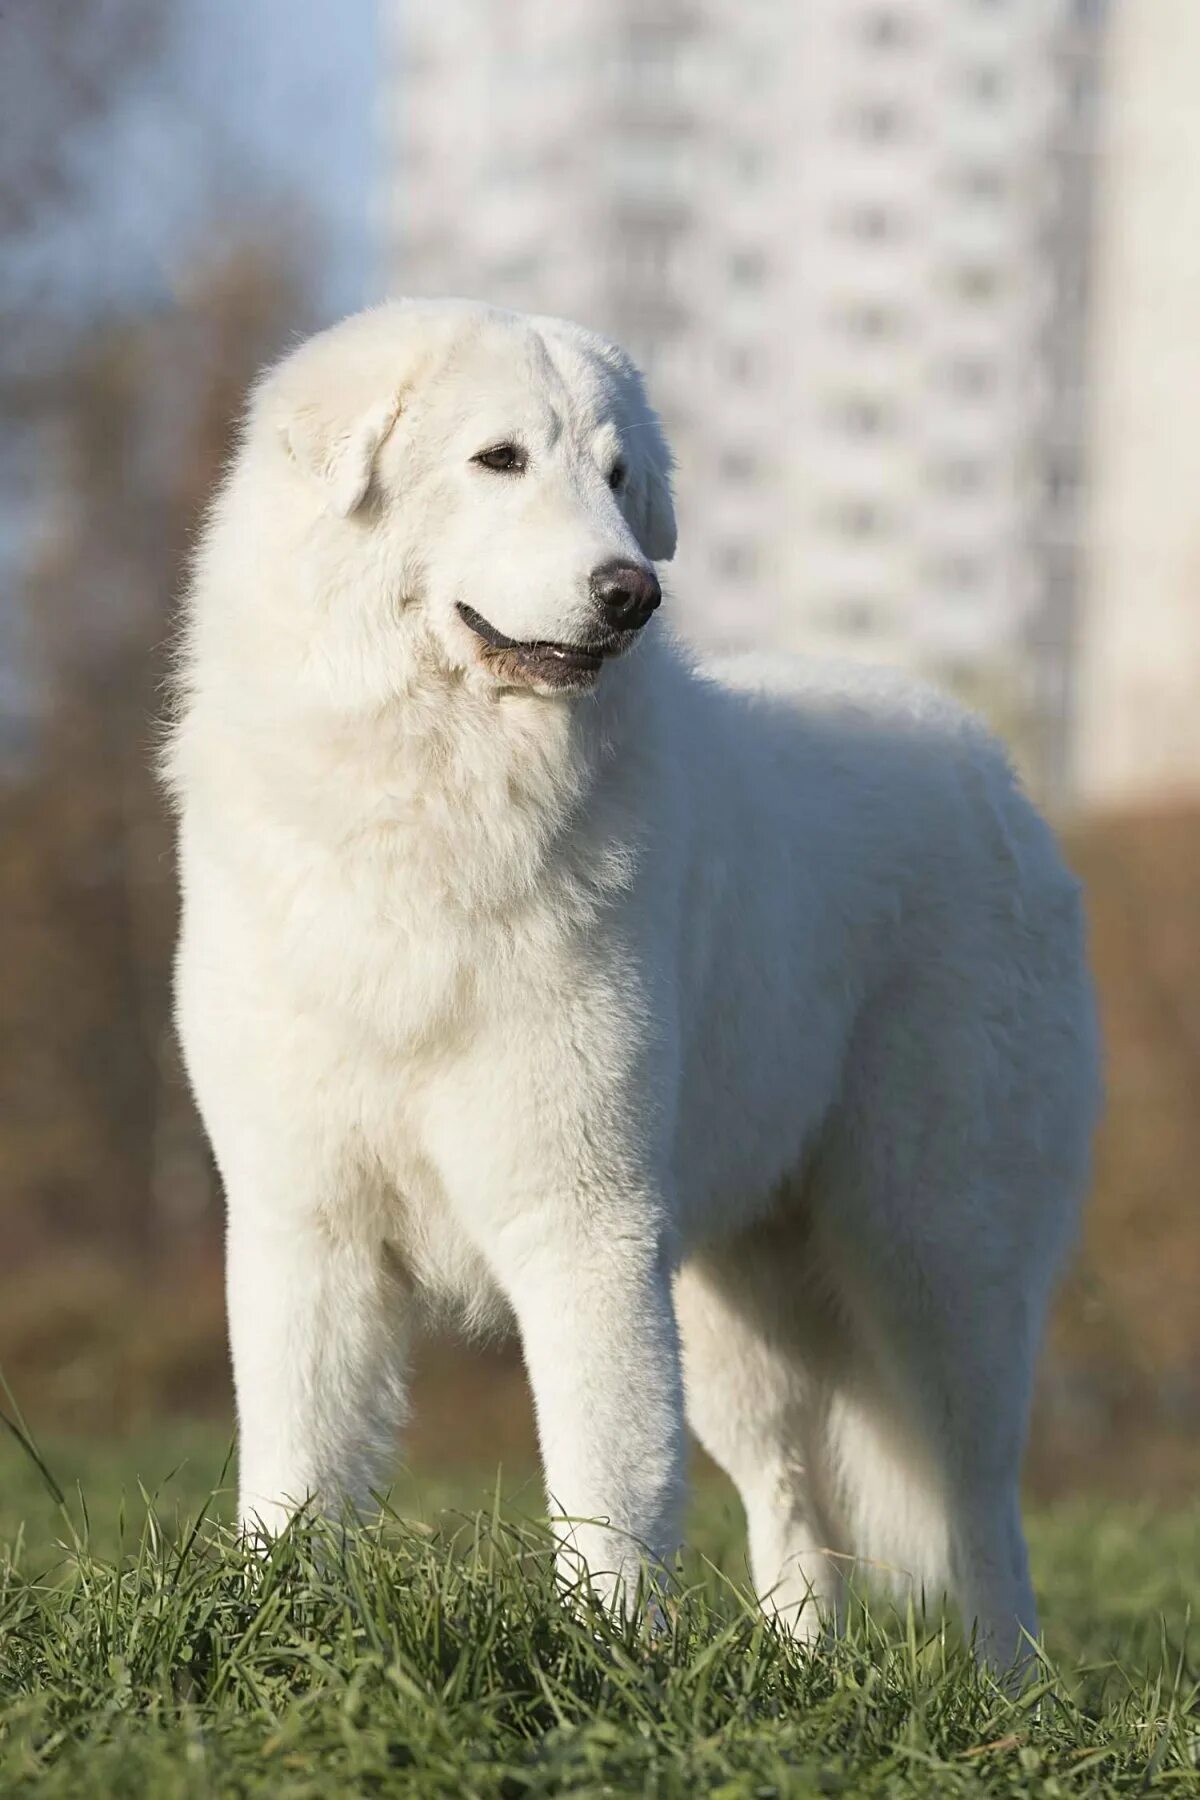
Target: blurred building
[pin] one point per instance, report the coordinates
(848, 240)
(1139, 663)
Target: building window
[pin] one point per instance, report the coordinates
(854, 617)
(858, 518)
(961, 475)
(981, 181)
(1082, 94)
(649, 62)
(961, 575)
(872, 223)
(738, 466)
(744, 362)
(887, 28)
(748, 161)
(1062, 482)
(1071, 287)
(971, 377)
(747, 267)
(519, 268)
(648, 166)
(985, 82)
(872, 321)
(876, 121)
(645, 252)
(734, 559)
(862, 415)
(977, 283)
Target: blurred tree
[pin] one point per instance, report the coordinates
(65, 65)
(116, 429)
(98, 1138)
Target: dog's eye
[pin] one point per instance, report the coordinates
(506, 459)
(616, 476)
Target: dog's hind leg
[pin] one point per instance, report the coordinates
(755, 1354)
(927, 1437)
(928, 1457)
(867, 1445)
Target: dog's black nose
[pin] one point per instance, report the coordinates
(627, 592)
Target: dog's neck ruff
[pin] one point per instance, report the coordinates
(448, 797)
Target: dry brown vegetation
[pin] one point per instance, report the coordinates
(1121, 1400)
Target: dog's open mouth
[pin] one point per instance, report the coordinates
(539, 661)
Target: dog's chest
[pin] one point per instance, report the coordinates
(379, 964)
(404, 931)
(410, 1206)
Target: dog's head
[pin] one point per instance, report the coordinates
(480, 488)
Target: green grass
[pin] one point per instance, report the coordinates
(141, 1653)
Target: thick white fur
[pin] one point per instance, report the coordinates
(730, 1031)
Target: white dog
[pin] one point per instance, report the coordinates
(731, 1033)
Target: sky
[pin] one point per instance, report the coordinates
(256, 103)
(293, 88)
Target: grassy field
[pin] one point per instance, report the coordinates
(141, 1654)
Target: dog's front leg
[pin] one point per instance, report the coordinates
(317, 1324)
(597, 1326)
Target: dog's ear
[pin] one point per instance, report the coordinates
(340, 453)
(652, 507)
(656, 527)
(331, 404)
(653, 502)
